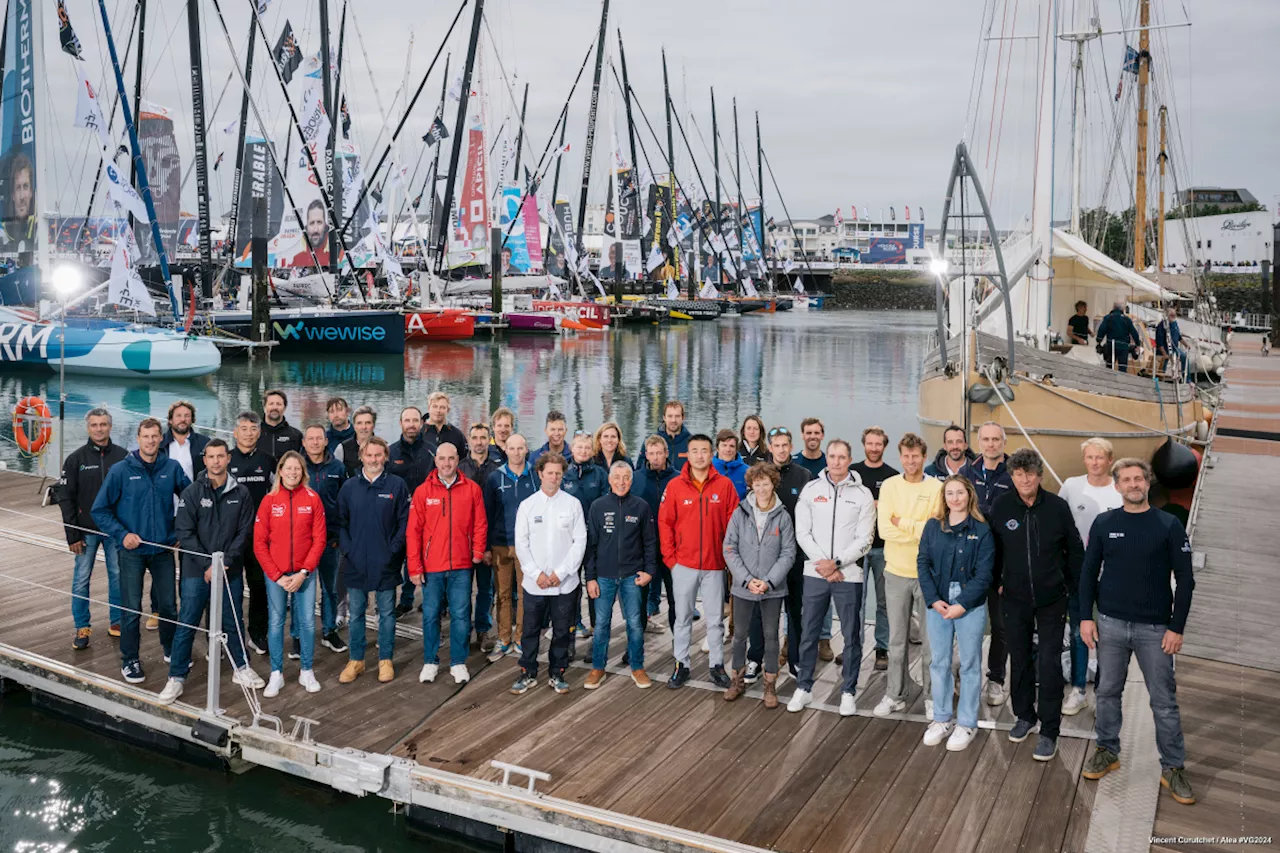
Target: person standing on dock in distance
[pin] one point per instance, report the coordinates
(991, 480)
(446, 537)
(363, 420)
(325, 475)
(622, 548)
(215, 513)
(692, 519)
(955, 565)
(254, 469)
(504, 491)
(1089, 495)
(1040, 554)
(83, 473)
(792, 480)
(873, 471)
(906, 503)
(675, 434)
(181, 442)
(953, 456)
(608, 446)
(373, 514)
(753, 447)
(411, 459)
(586, 481)
(340, 428)
(1170, 345)
(835, 526)
(437, 428)
(135, 507)
(652, 475)
(728, 463)
(479, 463)
(278, 436)
(555, 429)
(811, 456)
(502, 423)
(1078, 324)
(551, 539)
(759, 549)
(1132, 553)
(1118, 338)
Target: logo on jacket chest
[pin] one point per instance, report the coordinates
(434, 502)
(1012, 524)
(277, 511)
(304, 510)
(715, 499)
(821, 499)
(1115, 534)
(631, 519)
(206, 503)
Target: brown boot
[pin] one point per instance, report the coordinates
(782, 654)
(351, 672)
(771, 690)
(738, 687)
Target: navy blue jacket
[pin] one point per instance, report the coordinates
(937, 469)
(586, 481)
(138, 498)
(1118, 328)
(372, 518)
(197, 442)
(650, 484)
(411, 462)
(546, 448)
(677, 447)
(326, 479)
(622, 538)
(1168, 336)
(964, 554)
(503, 492)
(211, 520)
(335, 437)
(990, 485)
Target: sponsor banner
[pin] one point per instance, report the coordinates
(591, 313)
(470, 240)
(259, 180)
(515, 251)
(19, 194)
(164, 175)
(557, 263)
(532, 230)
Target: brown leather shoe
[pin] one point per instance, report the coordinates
(641, 678)
(386, 671)
(771, 690)
(824, 650)
(737, 687)
(782, 655)
(594, 679)
(351, 671)
(114, 630)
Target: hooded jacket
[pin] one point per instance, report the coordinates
(736, 470)
(411, 461)
(937, 469)
(447, 527)
(586, 481)
(963, 554)
(254, 470)
(211, 520)
(1038, 548)
(83, 473)
(137, 497)
(503, 494)
(621, 537)
(990, 484)
(551, 537)
(280, 439)
(197, 442)
(692, 520)
(677, 446)
(289, 531)
(836, 521)
(754, 555)
(335, 437)
(372, 518)
(326, 479)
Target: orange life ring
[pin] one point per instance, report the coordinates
(32, 409)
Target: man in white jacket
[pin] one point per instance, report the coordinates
(835, 526)
(551, 539)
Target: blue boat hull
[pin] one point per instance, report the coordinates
(308, 330)
(98, 348)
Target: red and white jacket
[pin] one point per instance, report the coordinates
(447, 526)
(289, 532)
(693, 518)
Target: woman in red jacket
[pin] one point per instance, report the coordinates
(288, 540)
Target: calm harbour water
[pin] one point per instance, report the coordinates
(64, 789)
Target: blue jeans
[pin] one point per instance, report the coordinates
(195, 602)
(967, 633)
(327, 574)
(133, 566)
(357, 602)
(874, 565)
(304, 617)
(1079, 652)
(632, 599)
(84, 571)
(483, 617)
(1117, 640)
(453, 586)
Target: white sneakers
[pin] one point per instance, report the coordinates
(848, 705)
(960, 738)
(307, 679)
(246, 677)
(928, 708)
(1075, 702)
(172, 690)
(889, 706)
(429, 673)
(274, 685)
(800, 700)
(937, 733)
(459, 673)
(706, 645)
(995, 694)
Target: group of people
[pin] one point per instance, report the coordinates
(1118, 339)
(740, 528)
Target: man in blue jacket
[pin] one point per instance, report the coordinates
(340, 428)
(135, 508)
(325, 475)
(727, 461)
(675, 434)
(1118, 337)
(653, 472)
(586, 481)
(373, 513)
(412, 459)
(503, 493)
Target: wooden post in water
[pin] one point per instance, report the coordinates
(260, 308)
(495, 261)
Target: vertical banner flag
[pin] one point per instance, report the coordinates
(515, 252)
(286, 54)
(66, 35)
(164, 175)
(125, 287)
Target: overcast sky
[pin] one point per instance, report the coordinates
(859, 103)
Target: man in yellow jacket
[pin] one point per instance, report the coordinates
(906, 503)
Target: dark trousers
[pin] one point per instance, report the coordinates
(1121, 361)
(1029, 660)
(560, 610)
(133, 566)
(794, 605)
(998, 654)
(653, 593)
(256, 581)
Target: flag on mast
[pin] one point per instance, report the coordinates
(125, 287)
(88, 112)
(286, 55)
(66, 35)
(119, 191)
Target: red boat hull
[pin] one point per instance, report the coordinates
(449, 324)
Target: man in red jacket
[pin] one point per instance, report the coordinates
(446, 535)
(693, 517)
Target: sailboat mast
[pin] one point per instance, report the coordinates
(326, 76)
(524, 105)
(1162, 159)
(631, 139)
(671, 163)
(430, 188)
(458, 125)
(137, 81)
(764, 243)
(202, 163)
(232, 222)
(715, 181)
(737, 159)
(591, 124)
(1077, 133)
(1140, 167)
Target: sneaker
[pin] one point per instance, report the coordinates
(928, 708)
(558, 684)
(351, 671)
(333, 641)
(594, 679)
(848, 705)
(132, 672)
(641, 679)
(1020, 731)
(679, 677)
(523, 683)
(1175, 780)
(887, 706)
(653, 625)
(719, 677)
(882, 660)
(429, 673)
(246, 677)
(459, 673)
(172, 690)
(81, 642)
(697, 614)
(403, 610)
(824, 651)
(114, 630)
(1100, 763)
(153, 622)
(307, 679)
(498, 652)
(752, 675)
(1075, 702)
(1046, 748)
(583, 632)
(386, 671)
(937, 733)
(486, 641)
(258, 645)
(274, 684)
(517, 650)
(800, 700)
(295, 649)
(961, 737)
(995, 694)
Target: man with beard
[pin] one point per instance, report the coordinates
(953, 456)
(183, 444)
(317, 238)
(278, 436)
(873, 472)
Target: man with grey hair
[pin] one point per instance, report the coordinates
(1118, 337)
(83, 472)
(991, 480)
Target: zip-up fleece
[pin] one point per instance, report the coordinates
(963, 554)
(254, 470)
(736, 470)
(138, 498)
(650, 485)
(693, 518)
(836, 521)
(621, 538)
(447, 527)
(938, 470)
(990, 484)
(411, 461)
(1038, 549)
(435, 436)
(503, 493)
(83, 474)
(677, 446)
(372, 518)
(212, 520)
(551, 537)
(289, 531)
(281, 438)
(326, 479)
(753, 555)
(914, 504)
(586, 481)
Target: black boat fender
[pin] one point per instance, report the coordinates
(1174, 465)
